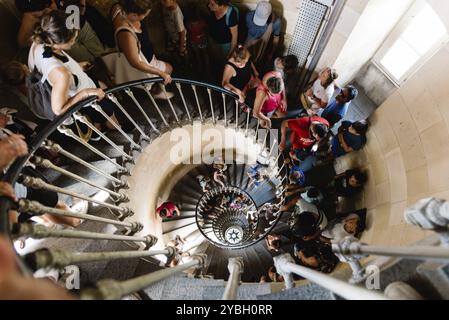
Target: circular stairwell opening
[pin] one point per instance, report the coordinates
(227, 217)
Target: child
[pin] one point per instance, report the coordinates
(174, 25)
(197, 32)
(204, 182)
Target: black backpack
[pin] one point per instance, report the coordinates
(39, 96)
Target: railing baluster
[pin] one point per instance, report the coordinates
(257, 132)
(224, 109)
(37, 183)
(247, 123)
(38, 209)
(236, 114)
(276, 161)
(68, 132)
(235, 267)
(84, 120)
(40, 231)
(97, 107)
(272, 147)
(139, 106)
(114, 290)
(147, 90)
(211, 104)
(122, 109)
(170, 103)
(45, 163)
(431, 214)
(53, 258)
(285, 266)
(50, 145)
(264, 143)
(178, 85)
(351, 246)
(197, 102)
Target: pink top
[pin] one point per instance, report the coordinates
(273, 101)
(169, 206)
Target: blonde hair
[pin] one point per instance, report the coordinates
(240, 53)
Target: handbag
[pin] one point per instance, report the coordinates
(119, 66)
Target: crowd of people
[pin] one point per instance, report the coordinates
(239, 52)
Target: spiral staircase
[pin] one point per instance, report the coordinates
(122, 247)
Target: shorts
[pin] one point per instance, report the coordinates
(158, 64)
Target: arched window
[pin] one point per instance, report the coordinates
(417, 37)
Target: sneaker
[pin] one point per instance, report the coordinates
(95, 137)
(22, 244)
(81, 207)
(162, 96)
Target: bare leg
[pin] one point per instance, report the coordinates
(68, 221)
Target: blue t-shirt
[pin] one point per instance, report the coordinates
(335, 108)
(256, 32)
(353, 141)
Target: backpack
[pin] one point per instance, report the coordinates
(39, 96)
(228, 13)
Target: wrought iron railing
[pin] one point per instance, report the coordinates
(195, 102)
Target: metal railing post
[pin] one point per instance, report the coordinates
(139, 106)
(53, 258)
(178, 85)
(40, 231)
(147, 88)
(114, 290)
(224, 109)
(38, 209)
(235, 267)
(211, 104)
(352, 247)
(111, 97)
(37, 183)
(285, 266)
(236, 114)
(431, 214)
(50, 145)
(97, 107)
(197, 102)
(45, 163)
(68, 132)
(170, 103)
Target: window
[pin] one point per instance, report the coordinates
(418, 36)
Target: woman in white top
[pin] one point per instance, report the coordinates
(133, 40)
(70, 84)
(319, 94)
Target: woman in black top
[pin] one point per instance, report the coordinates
(240, 74)
(223, 29)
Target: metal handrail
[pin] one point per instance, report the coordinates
(14, 171)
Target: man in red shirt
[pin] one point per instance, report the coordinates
(306, 132)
